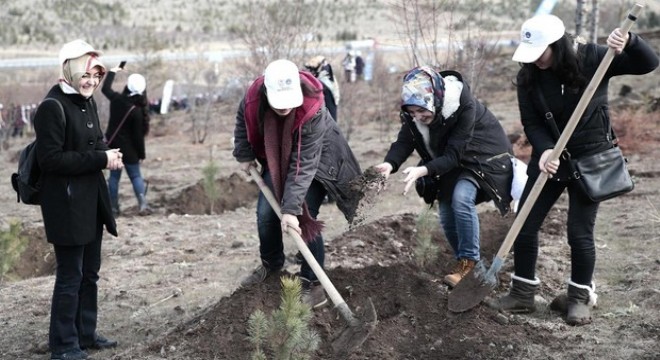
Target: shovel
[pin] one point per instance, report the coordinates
(479, 282)
(355, 332)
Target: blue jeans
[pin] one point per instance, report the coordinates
(134, 174)
(460, 221)
(271, 248)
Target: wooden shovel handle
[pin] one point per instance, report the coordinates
(563, 139)
(302, 246)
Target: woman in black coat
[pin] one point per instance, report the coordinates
(463, 147)
(558, 69)
(127, 128)
(74, 198)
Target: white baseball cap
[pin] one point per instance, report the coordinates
(282, 82)
(76, 49)
(535, 36)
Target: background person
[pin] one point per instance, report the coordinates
(560, 68)
(321, 69)
(74, 198)
(127, 128)
(282, 124)
(469, 154)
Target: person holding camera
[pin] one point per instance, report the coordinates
(127, 128)
(466, 157)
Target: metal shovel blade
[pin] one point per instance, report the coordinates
(355, 332)
(473, 288)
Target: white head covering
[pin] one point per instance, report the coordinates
(136, 84)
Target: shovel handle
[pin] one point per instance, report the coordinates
(563, 139)
(334, 295)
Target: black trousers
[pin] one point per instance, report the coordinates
(74, 308)
(580, 229)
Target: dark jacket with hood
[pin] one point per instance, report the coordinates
(592, 133)
(75, 202)
(130, 137)
(464, 140)
(319, 152)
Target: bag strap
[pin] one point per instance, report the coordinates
(60, 106)
(120, 125)
(552, 124)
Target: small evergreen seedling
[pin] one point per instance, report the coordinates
(287, 333)
(210, 171)
(426, 252)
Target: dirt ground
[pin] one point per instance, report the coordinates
(169, 282)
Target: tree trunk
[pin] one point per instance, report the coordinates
(579, 11)
(594, 21)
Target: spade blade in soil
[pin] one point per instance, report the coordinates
(473, 288)
(355, 332)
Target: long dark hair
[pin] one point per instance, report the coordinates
(308, 90)
(565, 64)
(141, 102)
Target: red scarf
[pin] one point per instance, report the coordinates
(277, 142)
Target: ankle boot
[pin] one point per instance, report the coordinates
(460, 270)
(520, 298)
(144, 208)
(581, 298)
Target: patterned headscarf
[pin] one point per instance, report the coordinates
(424, 87)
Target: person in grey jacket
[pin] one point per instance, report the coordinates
(282, 125)
(464, 149)
(558, 69)
(75, 204)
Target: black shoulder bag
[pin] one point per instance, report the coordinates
(603, 175)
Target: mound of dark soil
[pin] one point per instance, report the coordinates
(411, 304)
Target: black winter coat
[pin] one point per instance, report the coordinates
(470, 139)
(130, 138)
(71, 154)
(591, 134)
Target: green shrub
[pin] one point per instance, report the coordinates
(286, 334)
(12, 245)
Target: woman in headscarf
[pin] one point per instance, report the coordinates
(464, 150)
(74, 198)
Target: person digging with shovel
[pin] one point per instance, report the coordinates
(283, 125)
(464, 151)
(557, 69)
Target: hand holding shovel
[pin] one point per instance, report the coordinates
(356, 331)
(481, 281)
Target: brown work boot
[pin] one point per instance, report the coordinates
(460, 270)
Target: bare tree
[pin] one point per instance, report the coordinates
(579, 17)
(447, 34)
(593, 21)
(275, 29)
